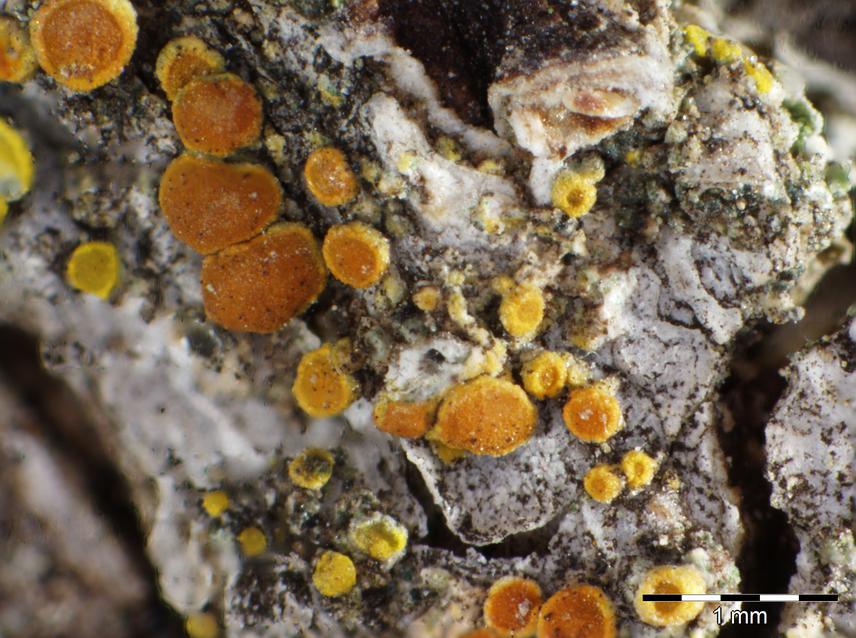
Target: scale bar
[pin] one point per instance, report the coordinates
(747, 598)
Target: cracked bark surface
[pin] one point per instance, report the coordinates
(717, 224)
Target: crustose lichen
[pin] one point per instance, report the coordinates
(83, 44)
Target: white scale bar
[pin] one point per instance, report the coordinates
(760, 598)
(701, 598)
(763, 598)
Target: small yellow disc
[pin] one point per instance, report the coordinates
(94, 268)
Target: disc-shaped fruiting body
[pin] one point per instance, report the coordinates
(94, 268)
(258, 285)
(512, 605)
(210, 204)
(407, 419)
(322, 387)
(83, 44)
(670, 579)
(592, 414)
(639, 468)
(253, 542)
(312, 468)
(17, 58)
(334, 574)
(427, 298)
(522, 310)
(356, 254)
(217, 114)
(215, 503)
(381, 537)
(602, 483)
(184, 59)
(581, 611)
(545, 375)
(485, 416)
(574, 193)
(329, 178)
(17, 168)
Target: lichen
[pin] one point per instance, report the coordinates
(381, 537)
(602, 483)
(253, 541)
(485, 416)
(580, 610)
(592, 413)
(670, 579)
(84, 44)
(725, 51)
(217, 114)
(202, 625)
(184, 59)
(94, 268)
(408, 419)
(312, 468)
(17, 168)
(427, 298)
(574, 193)
(334, 574)
(521, 310)
(17, 57)
(215, 503)
(322, 386)
(638, 468)
(259, 285)
(698, 38)
(356, 254)
(545, 375)
(329, 178)
(211, 205)
(760, 74)
(471, 322)
(511, 607)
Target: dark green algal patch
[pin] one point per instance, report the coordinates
(806, 118)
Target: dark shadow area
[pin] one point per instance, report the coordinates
(441, 35)
(67, 431)
(439, 535)
(768, 557)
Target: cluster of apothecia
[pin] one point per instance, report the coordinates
(723, 51)
(605, 482)
(256, 274)
(373, 539)
(494, 416)
(82, 44)
(513, 607)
